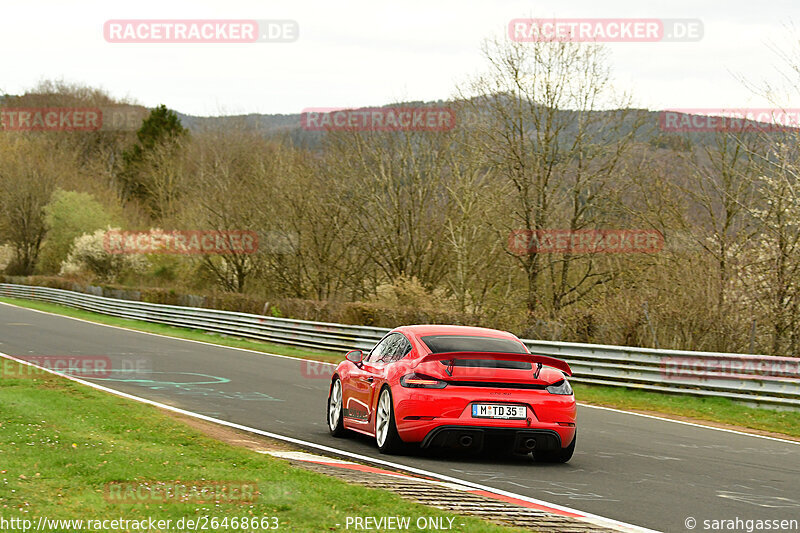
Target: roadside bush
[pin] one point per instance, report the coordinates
(52, 282)
(90, 255)
(235, 302)
(409, 292)
(368, 313)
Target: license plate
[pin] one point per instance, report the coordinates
(491, 410)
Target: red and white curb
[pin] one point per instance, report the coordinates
(520, 501)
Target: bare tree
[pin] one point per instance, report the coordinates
(166, 178)
(30, 170)
(396, 197)
(312, 246)
(718, 196)
(227, 168)
(772, 278)
(536, 115)
(474, 207)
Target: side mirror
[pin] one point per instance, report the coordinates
(355, 356)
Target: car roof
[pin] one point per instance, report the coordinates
(422, 330)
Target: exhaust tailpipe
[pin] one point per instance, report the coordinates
(465, 441)
(529, 444)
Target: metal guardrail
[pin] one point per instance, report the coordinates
(759, 379)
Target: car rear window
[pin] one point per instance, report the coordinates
(471, 343)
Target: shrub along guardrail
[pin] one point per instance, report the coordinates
(759, 379)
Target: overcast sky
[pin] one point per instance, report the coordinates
(360, 53)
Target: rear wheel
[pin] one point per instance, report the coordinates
(562, 455)
(386, 435)
(335, 411)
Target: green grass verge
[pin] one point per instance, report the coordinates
(719, 410)
(708, 409)
(61, 443)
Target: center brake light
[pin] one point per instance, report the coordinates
(421, 381)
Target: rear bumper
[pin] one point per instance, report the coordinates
(476, 437)
(431, 416)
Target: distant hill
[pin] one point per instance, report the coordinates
(650, 130)
(289, 125)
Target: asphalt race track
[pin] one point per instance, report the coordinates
(643, 471)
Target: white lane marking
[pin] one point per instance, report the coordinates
(596, 519)
(694, 424)
(761, 501)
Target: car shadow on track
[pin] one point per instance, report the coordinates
(489, 456)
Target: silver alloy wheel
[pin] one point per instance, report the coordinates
(335, 405)
(384, 415)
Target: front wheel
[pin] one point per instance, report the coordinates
(562, 455)
(335, 411)
(386, 435)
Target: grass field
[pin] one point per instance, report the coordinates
(718, 410)
(62, 444)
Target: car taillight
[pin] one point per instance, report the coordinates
(560, 387)
(421, 381)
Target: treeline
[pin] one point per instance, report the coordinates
(421, 220)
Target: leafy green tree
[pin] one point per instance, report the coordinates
(69, 215)
(162, 129)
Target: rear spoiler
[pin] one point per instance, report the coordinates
(501, 356)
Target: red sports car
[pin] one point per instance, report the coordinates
(457, 387)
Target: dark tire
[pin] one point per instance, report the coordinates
(389, 441)
(561, 455)
(335, 411)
